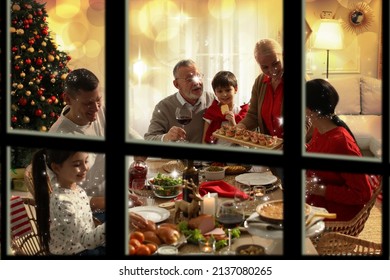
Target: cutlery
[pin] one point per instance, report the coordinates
(266, 226)
(320, 214)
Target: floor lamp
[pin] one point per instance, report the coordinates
(329, 37)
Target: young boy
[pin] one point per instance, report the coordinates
(222, 111)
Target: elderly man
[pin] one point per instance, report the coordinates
(189, 82)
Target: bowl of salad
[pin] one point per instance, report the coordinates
(166, 186)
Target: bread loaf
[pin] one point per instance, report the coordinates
(203, 222)
(168, 235)
(151, 236)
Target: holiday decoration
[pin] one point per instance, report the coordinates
(38, 68)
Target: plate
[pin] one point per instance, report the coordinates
(153, 213)
(264, 178)
(314, 230)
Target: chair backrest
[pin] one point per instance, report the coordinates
(354, 226)
(338, 244)
(29, 244)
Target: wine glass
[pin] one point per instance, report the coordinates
(243, 198)
(184, 117)
(230, 215)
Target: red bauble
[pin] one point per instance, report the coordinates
(68, 57)
(23, 101)
(39, 61)
(17, 67)
(53, 98)
(44, 32)
(31, 41)
(37, 37)
(52, 114)
(49, 101)
(38, 112)
(14, 49)
(28, 61)
(14, 119)
(40, 92)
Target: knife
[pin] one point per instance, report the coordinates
(266, 226)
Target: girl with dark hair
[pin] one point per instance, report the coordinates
(64, 215)
(338, 192)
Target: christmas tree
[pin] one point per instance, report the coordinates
(38, 68)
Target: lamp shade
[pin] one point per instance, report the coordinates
(329, 35)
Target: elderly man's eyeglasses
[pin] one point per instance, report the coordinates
(193, 79)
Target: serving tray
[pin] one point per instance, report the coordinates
(241, 142)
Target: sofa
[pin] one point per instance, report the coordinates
(360, 107)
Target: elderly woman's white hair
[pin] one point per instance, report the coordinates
(267, 47)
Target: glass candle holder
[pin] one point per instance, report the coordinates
(207, 246)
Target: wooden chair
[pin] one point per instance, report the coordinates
(338, 244)
(354, 226)
(29, 244)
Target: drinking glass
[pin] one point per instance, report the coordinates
(184, 117)
(139, 187)
(230, 215)
(260, 195)
(243, 198)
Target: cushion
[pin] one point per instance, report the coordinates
(349, 94)
(371, 96)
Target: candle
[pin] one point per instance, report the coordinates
(207, 246)
(209, 204)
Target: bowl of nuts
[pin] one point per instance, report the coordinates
(212, 173)
(250, 250)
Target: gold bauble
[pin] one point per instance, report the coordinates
(23, 47)
(17, 57)
(12, 92)
(42, 98)
(22, 74)
(30, 83)
(50, 58)
(43, 68)
(63, 76)
(28, 93)
(53, 81)
(43, 44)
(15, 7)
(29, 16)
(26, 119)
(32, 103)
(43, 116)
(14, 85)
(20, 31)
(56, 101)
(38, 81)
(14, 107)
(12, 29)
(20, 86)
(32, 69)
(31, 49)
(43, 128)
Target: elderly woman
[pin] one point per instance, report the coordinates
(339, 192)
(266, 104)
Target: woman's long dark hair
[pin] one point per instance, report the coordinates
(322, 98)
(42, 189)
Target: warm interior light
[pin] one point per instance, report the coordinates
(329, 35)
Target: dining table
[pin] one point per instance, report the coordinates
(273, 246)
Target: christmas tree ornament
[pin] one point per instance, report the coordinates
(26, 119)
(28, 93)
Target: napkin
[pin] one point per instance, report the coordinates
(315, 219)
(221, 187)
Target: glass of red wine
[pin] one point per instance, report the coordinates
(184, 117)
(230, 214)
